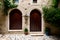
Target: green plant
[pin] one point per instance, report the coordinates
(8, 4)
(25, 30)
(0, 3)
(55, 3)
(47, 30)
(52, 16)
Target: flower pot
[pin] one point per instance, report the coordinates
(26, 33)
(48, 31)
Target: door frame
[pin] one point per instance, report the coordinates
(42, 26)
(9, 20)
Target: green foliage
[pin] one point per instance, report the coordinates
(52, 15)
(25, 30)
(55, 3)
(0, 3)
(7, 5)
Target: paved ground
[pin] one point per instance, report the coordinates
(26, 37)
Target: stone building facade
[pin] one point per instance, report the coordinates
(26, 7)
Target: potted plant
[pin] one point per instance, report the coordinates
(47, 31)
(26, 31)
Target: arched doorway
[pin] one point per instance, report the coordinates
(15, 20)
(35, 21)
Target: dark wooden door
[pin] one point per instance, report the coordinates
(15, 20)
(34, 1)
(35, 21)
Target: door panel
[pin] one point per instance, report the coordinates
(15, 20)
(35, 21)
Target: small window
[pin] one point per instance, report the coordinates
(34, 1)
(16, 0)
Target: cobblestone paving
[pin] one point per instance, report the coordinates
(26, 37)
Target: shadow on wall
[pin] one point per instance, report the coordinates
(3, 20)
(53, 30)
(2, 24)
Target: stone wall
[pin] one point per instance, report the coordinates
(25, 7)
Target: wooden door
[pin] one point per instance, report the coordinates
(15, 20)
(35, 21)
